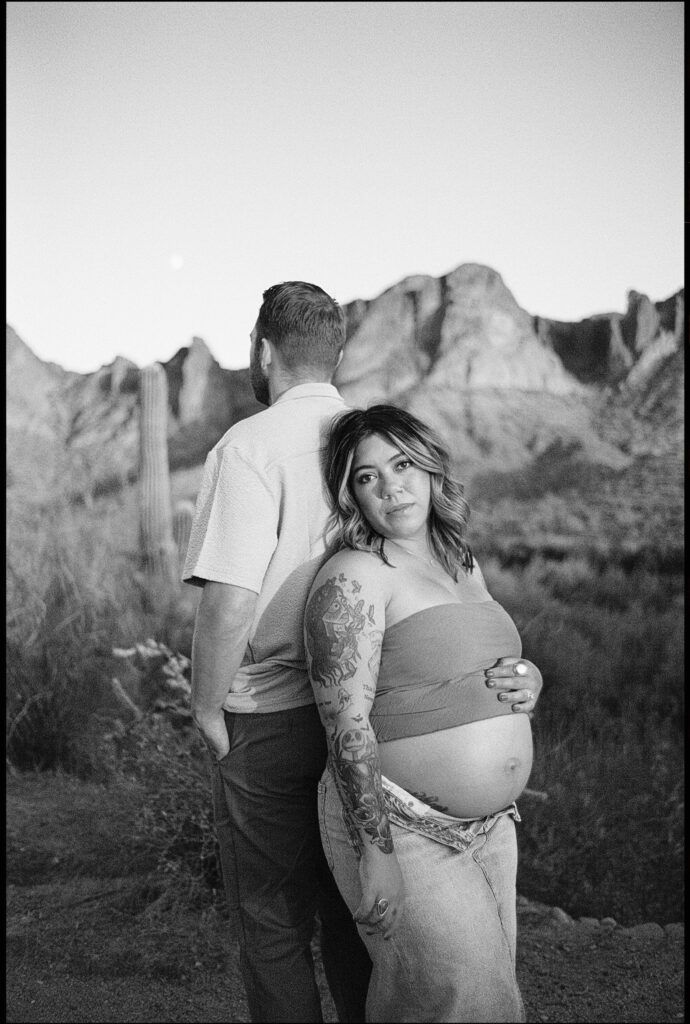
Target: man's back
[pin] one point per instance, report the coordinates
(258, 538)
(260, 524)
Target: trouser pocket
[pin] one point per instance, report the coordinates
(325, 838)
(224, 834)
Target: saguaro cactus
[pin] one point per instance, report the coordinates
(679, 326)
(183, 515)
(155, 521)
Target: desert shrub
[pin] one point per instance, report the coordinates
(160, 750)
(608, 673)
(577, 581)
(608, 841)
(608, 738)
(173, 830)
(72, 595)
(55, 674)
(87, 696)
(174, 827)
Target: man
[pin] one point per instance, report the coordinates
(258, 540)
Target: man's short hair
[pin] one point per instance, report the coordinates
(305, 324)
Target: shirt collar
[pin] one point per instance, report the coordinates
(311, 390)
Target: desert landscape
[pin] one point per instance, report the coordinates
(569, 440)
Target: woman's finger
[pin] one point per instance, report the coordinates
(518, 698)
(509, 668)
(385, 926)
(511, 691)
(381, 919)
(375, 914)
(524, 702)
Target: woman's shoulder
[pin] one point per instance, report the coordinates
(346, 583)
(349, 559)
(364, 568)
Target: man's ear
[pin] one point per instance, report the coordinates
(266, 354)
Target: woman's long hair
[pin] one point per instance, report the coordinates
(449, 512)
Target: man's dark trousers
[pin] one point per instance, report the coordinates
(275, 873)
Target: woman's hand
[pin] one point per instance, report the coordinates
(516, 681)
(381, 906)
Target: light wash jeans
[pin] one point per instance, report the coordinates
(453, 956)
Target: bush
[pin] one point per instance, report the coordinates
(608, 841)
(608, 739)
(73, 595)
(160, 750)
(55, 676)
(85, 696)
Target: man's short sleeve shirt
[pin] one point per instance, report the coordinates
(261, 523)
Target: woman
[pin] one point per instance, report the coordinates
(425, 759)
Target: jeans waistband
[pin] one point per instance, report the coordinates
(415, 815)
(411, 813)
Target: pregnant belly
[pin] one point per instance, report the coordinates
(467, 771)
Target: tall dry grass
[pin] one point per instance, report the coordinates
(75, 591)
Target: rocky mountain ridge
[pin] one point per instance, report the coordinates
(461, 351)
(515, 395)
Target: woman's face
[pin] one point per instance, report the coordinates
(393, 494)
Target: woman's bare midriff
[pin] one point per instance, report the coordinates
(467, 771)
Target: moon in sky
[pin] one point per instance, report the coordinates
(176, 261)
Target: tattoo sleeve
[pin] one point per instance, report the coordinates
(343, 644)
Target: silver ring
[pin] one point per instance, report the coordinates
(520, 669)
(381, 907)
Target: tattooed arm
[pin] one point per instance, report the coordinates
(344, 622)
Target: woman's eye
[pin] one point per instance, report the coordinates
(364, 479)
(404, 464)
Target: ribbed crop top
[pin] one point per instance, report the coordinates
(432, 668)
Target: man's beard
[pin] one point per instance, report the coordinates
(259, 380)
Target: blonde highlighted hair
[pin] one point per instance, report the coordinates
(449, 512)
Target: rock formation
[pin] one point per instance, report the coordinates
(465, 327)
(36, 418)
(503, 386)
(527, 404)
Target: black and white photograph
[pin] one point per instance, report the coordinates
(345, 512)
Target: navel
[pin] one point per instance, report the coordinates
(512, 765)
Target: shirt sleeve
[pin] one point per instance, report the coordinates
(235, 527)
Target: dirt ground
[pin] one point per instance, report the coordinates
(85, 945)
(74, 958)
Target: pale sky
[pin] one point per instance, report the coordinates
(167, 162)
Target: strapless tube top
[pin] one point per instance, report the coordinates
(432, 668)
